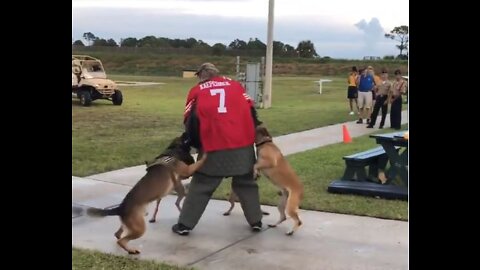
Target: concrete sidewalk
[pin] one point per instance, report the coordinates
(325, 241)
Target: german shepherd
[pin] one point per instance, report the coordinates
(276, 168)
(157, 183)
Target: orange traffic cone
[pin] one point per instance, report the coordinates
(346, 135)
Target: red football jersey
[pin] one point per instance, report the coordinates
(224, 112)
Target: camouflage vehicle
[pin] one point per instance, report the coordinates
(89, 81)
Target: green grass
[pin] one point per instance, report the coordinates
(316, 169)
(92, 260)
(107, 137)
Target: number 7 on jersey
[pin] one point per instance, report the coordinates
(221, 105)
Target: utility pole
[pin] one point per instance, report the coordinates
(267, 96)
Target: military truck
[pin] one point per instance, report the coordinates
(89, 81)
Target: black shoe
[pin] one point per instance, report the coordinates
(181, 229)
(360, 121)
(369, 126)
(257, 226)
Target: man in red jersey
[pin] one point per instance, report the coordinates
(220, 120)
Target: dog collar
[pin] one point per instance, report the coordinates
(266, 141)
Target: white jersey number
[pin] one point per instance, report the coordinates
(221, 105)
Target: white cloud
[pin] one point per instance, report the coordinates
(330, 25)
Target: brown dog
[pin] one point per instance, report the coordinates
(232, 198)
(276, 168)
(181, 191)
(157, 183)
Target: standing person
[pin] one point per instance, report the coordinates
(220, 120)
(398, 88)
(352, 91)
(376, 81)
(365, 85)
(383, 92)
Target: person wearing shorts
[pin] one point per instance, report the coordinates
(365, 86)
(352, 91)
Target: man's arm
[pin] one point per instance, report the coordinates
(189, 105)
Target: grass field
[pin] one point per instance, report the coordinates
(316, 169)
(93, 260)
(107, 137)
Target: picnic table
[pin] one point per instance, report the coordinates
(391, 142)
(356, 180)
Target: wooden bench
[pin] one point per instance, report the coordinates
(355, 179)
(356, 164)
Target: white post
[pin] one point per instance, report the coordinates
(238, 65)
(267, 97)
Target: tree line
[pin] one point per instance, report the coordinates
(305, 48)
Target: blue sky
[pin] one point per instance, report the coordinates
(339, 28)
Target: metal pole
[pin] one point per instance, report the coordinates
(267, 97)
(238, 65)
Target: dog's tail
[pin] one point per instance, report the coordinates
(97, 212)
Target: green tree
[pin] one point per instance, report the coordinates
(400, 34)
(289, 50)
(278, 48)
(306, 49)
(218, 48)
(112, 43)
(89, 37)
(202, 45)
(256, 44)
(238, 44)
(129, 42)
(78, 43)
(190, 43)
(100, 42)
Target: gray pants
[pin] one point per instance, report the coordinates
(201, 190)
(221, 164)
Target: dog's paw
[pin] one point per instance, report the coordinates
(152, 220)
(289, 233)
(265, 213)
(272, 225)
(226, 214)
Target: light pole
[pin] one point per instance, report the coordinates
(267, 97)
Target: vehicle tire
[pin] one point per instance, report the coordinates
(117, 98)
(85, 98)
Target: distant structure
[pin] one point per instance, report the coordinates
(372, 58)
(189, 73)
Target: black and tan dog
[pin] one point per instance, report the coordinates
(276, 168)
(159, 180)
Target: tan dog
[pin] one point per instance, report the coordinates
(232, 198)
(276, 168)
(157, 183)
